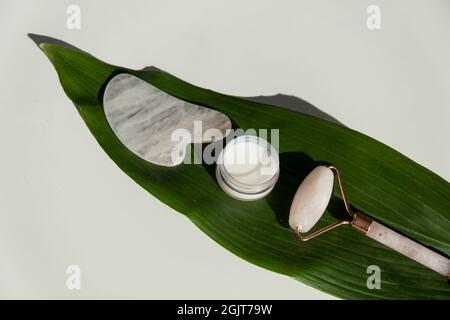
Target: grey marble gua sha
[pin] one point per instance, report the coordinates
(144, 117)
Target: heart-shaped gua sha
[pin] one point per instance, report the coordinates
(311, 199)
(144, 119)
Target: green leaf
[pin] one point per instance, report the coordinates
(380, 182)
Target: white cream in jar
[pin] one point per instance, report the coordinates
(248, 168)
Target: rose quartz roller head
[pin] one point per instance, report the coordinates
(311, 200)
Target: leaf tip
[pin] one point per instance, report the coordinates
(41, 39)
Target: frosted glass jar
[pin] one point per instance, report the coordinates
(248, 168)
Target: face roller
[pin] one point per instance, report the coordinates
(311, 200)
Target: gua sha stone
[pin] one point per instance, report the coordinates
(144, 118)
(311, 199)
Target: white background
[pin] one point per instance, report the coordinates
(63, 201)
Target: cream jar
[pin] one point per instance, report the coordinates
(248, 168)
